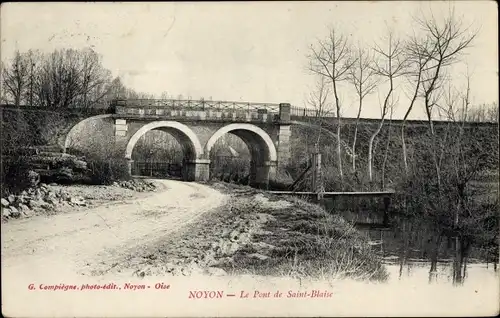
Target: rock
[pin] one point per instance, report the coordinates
(64, 196)
(51, 198)
(38, 194)
(51, 194)
(78, 201)
(52, 201)
(5, 203)
(14, 212)
(23, 207)
(27, 214)
(53, 184)
(36, 204)
(33, 178)
(6, 212)
(11, 198)
(25, 210)
(22, 199)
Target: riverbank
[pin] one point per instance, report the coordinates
(256, 233)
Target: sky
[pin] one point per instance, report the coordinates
(240, 51)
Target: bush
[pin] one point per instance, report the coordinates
(17, 175)
(105, 172)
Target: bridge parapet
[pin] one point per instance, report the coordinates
(180, 114)
(201, 110)
(198, 104)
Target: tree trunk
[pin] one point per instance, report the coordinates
(403, 256)
(434, 259)
(370, 149)
(386, 152)
(339, 154)
(339, 148)
(405, 155)
(457, 265)
(355, 136)
(403, 125)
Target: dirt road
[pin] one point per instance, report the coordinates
(72, 242)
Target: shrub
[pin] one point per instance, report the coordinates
(17, 175)
(108, 171)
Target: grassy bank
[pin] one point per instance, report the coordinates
(255, 233)
(300, 239)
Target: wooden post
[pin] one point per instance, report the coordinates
(317, 181)
(387, 202)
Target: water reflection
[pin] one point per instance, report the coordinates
(410, 243)
(418, 272)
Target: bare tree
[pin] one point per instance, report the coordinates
(389, 65)
(94, 79)
(449, 38)
(58, 79)
(466, 160)
(417, 57)
(437, 46)
(318, 99)
(116, 89)
(483, 113)
(164, 95)
(363, 78)
(332, 59)
(34, 61)
(71, 78)
(15, 78)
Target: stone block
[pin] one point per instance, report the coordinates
(284, 114)
(121, 133)
(121, 127)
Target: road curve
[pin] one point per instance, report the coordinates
(68, 242)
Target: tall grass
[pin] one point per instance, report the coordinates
(307, 242)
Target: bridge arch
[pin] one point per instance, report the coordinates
(252, 135)
(75, 132)
(182, 133)
(263, 152)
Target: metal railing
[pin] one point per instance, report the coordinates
(219, 105)
(198, 104)
(157, 169)
(308, 112)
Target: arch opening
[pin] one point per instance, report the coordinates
(164, 149)
(230, 159)
(90, 136)
(261, 155)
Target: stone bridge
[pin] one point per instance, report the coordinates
(196, 125)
